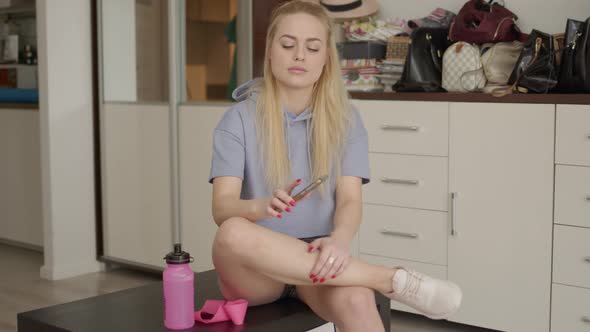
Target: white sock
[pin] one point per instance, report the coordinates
(399, 280)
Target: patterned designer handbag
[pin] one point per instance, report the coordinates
(462, 68)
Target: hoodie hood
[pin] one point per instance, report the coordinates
(241, 92)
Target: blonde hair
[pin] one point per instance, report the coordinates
(329, 106)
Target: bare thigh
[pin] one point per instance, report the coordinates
(239, 282)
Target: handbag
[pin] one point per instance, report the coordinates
(574, 75)
(462, 68)
(498, 62)
(423, 65)
(481, 22)
(535, 69)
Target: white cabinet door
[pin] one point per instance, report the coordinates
(136, 183)
(136, 175)
(196, 139)
(501, 167)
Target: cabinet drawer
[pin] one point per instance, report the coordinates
(420, 128)
(571, 256)
(408, 181)
(573, 135)
(570, 309)
(410, 234)
(572, 195)
(436, 271)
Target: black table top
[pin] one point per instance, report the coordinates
(141, 309)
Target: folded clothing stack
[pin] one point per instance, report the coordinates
(360, 74)
(359, 64)
(391, 72)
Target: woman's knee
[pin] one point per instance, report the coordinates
(232, 235)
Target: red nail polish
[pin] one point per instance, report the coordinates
(334, 276)
(292, 203)
(298, 180)
(279, 216)
(310, 249)
(322, 280)
(311, 275)
(315, 280)
(288, 209)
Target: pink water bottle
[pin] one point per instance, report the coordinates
(179, 301)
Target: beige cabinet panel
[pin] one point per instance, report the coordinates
(407, 181)
(411, 234)
(137, 223)
(570, 309)
(571, 256)
(419, 128)
(196, 140)
(572, 144)
(501, 168)
(572, 195)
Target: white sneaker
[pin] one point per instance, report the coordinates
(436, 299)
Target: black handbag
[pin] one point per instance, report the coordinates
(423, 67)
(535, 69)
(574, 74)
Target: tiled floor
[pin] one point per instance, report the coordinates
(21, 289)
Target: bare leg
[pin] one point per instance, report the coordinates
(351, 309)
(285, 259)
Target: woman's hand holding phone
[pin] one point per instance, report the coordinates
(281, 201)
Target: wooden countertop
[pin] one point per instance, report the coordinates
(578, 99)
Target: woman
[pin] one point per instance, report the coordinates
(296, 123)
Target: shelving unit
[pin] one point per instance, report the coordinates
(209, 57)
(550, 98)
(19, 11)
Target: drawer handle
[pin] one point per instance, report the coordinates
(587, 259)
(400, 181)
(588, 198)
(585, 319)
(400, 234)
(452, 213)
(400, 128)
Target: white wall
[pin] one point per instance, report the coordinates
(547, 16)
(67, 161)
(20, 178)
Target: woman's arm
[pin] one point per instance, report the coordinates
(227, 203)
(347, 216)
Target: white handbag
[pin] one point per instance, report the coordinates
(462, 69)
(499, 61)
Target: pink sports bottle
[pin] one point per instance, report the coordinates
(179, 301)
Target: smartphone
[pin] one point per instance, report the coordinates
(309, 188)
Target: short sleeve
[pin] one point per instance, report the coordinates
(355, 160)
(229, 155)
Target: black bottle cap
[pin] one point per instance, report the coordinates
(178, 256)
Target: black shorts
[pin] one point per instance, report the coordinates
(291, 290)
